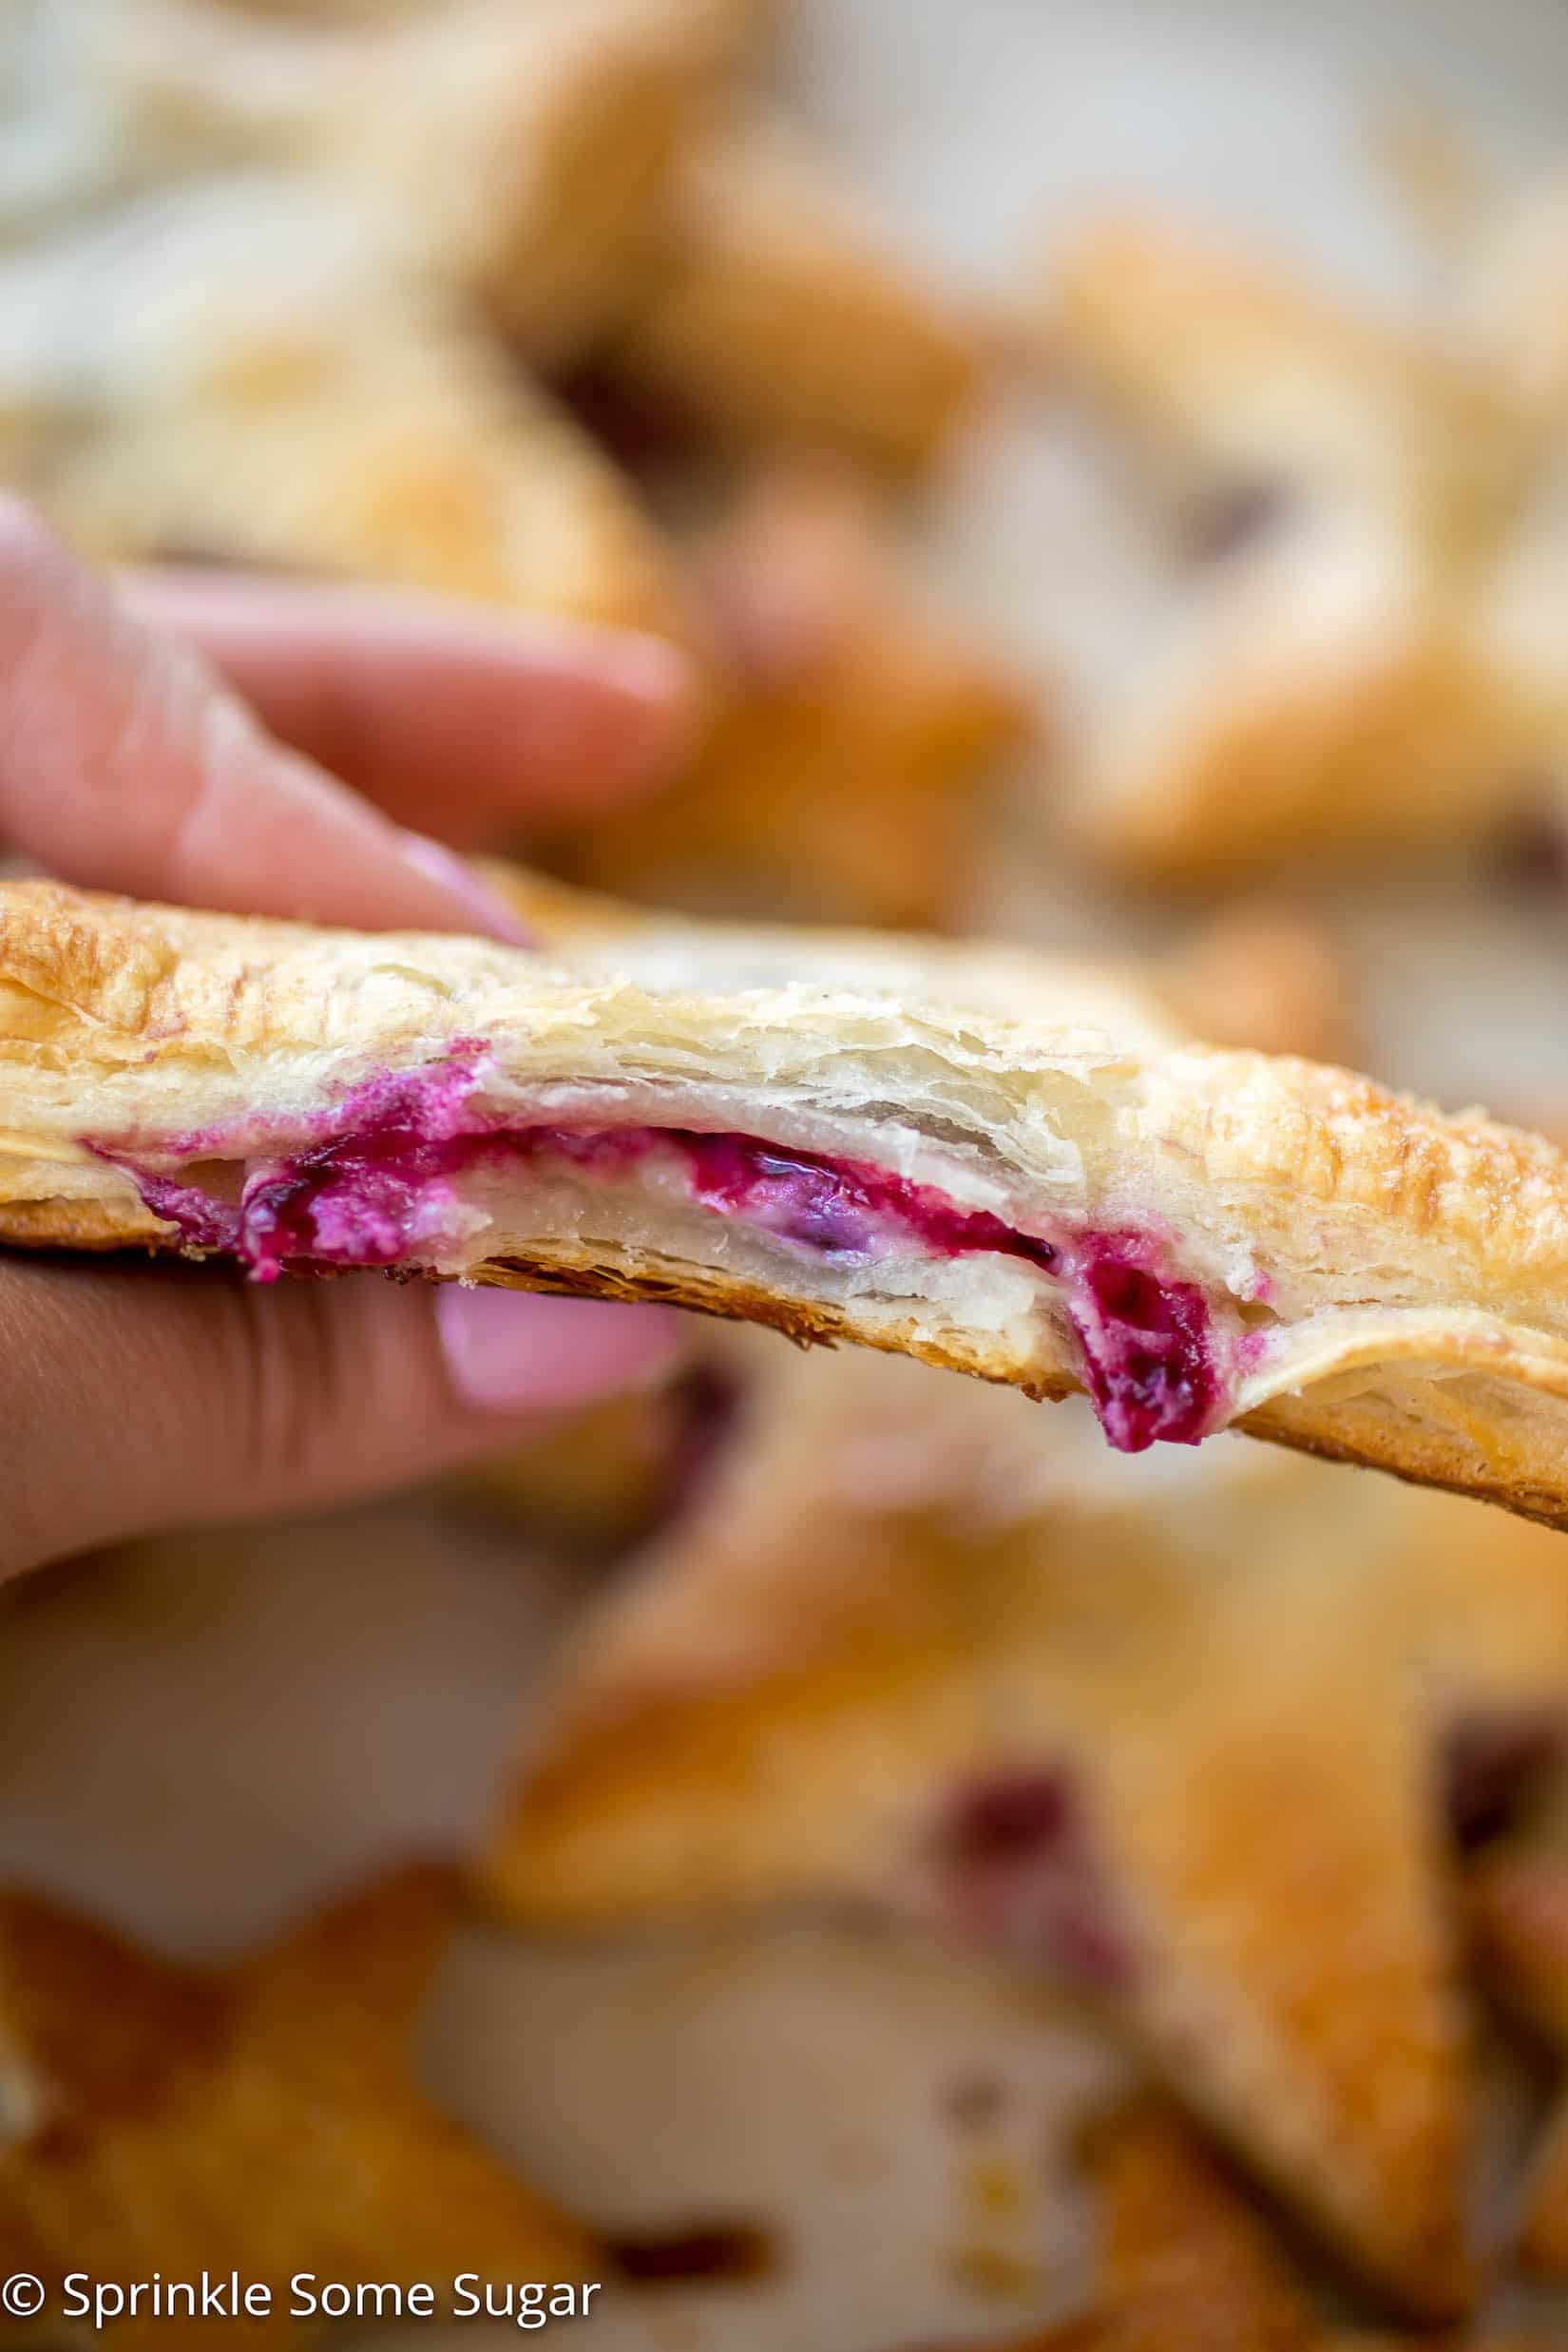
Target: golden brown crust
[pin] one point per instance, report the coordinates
(592, 1483)
(1187, 2266)
(517, 156)
(844, 777)
(532, 153)
(1256, 975)
(778, 321)
(1517, 1904)
(1238, 366)
(1266, 977)
(893, 1589)
(147, 2102)
(246, 373)
(1359, 639)
(1393, 1281)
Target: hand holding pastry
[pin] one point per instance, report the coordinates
(138, 1398)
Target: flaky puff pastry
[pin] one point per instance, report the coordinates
(1007, 1166)
(856, 737)
(778, 321)
(1359, 645)
(262, 2119)
(517, 154)
(228, 370)
(1254, 975)
(1176, 1731)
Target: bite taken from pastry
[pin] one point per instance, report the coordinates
(1002, 1163)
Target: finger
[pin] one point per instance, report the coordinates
(138, 1398)
(125, 766)
(450, 716)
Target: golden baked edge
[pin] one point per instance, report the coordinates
(1408, 1308)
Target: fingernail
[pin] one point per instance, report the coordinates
(483, 908)
(650, 668)
(508, 1351)
(638, 731)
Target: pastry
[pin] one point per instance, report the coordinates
(1185, 2264)
(1232, 374)
(591, 1484)
(841, 1139)
(1188, 2264)
(1517, 1909)
(1314, 694)
(1255, 975)
(845, 775)
(1515, 300)
(1431, 168)
(1179, 1732)
(531, 154)
(1357, 644)
(777, 320)
(147, 2104)
(1264, 976)
(517, 154)
(226, 370)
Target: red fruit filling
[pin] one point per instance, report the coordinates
(1147, 1349)
(1017, 1868)
(380, 1190)
(1495, 1762)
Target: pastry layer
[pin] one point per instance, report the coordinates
(403, 1175)
(1001, 1163)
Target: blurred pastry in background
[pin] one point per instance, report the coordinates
(1185, 2263)
(1512, 304)
(519, 156)
(1434, 169)
(911, 1651)
(1355, 651)
(845, 778)
(1267, 976)
(225, 373)
(779, 322)
(1514, 298)
(274, 284)
(262, 2119)
(592, 1483)
(531, 153)
(1517, 1899)
(1230, 375)
(261, 278)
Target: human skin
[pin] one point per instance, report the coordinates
(135, 1397)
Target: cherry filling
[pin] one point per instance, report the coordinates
(1147, 1351)
(382, 1189)
(372, 1199)
(1494, 1764)
(1017, 1867)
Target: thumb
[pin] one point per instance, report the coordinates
(137, 1397)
